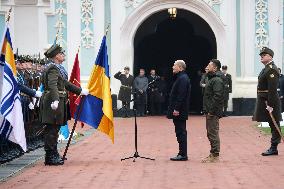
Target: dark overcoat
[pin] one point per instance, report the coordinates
(55, 87)
(267, 92)
(126, 86)
(179, 97)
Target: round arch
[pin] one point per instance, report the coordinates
(146, 9)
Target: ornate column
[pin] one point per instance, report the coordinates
(261, 30)
(87, 36)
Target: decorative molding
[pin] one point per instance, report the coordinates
(87, 35)
(261, 38)
(60, 25)
(213, 2)
(132, 3)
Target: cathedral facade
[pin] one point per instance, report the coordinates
(152, 34)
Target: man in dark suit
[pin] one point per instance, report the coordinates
(178, 107)
(268, 99)
(228, 88)
(124, 94)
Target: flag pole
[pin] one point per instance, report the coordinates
(107, 29)
(9, 15)
(74, 126)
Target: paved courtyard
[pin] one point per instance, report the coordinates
(95, 161)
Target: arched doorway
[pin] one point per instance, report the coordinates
(160, 40)
(148, 8)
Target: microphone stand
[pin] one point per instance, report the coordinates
(136, 154)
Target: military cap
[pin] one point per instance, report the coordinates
(53, 51)
(224, 67)
(266, 50)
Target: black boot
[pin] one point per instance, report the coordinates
(52, 158)
(271, 151)
(179, 158)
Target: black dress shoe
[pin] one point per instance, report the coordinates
(270, 152)
(179, 158)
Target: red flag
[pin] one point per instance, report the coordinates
(75, 79)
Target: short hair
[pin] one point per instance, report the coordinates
(142, 69)
(217, 63)
(181, 64)
(126, 68)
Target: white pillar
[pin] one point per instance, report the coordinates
(73, 32)
(275, 11)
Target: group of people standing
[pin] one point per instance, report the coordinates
(217, 86)
(149, 93)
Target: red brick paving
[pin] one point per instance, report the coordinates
(95, 162)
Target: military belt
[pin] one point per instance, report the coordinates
(262, 91)
(60, 92)
(125, 86)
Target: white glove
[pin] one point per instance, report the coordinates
(85, 92)
(38, 94)
(54, 105)
(31, 106)
(269, 108)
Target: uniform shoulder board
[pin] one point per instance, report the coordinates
(271, 75)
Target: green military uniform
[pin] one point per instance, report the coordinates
(267, 93)
(213, 104)
(55, 86)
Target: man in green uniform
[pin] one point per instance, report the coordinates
(213, 108)
(268, 99)
(53, 103)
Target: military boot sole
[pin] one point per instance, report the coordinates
(270, 154)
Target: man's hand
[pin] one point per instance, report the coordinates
(85, 91)
(38, 94)
(54, 104)
(176, 113)
(31, 106)
(269, 108)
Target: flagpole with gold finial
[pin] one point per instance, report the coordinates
(79, 110)
(9, 15)
(107, 29)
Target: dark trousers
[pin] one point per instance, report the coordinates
(50, 138)
(125, 110)
(225, 106)
(140, 109)
(181, 134)
(275, 136)
(212, 127)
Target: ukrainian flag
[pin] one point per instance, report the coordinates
(11, 116)
(97, 106)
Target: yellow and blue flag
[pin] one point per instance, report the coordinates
(11, 116)
(97, 106)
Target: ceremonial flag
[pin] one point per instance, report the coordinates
(11, 116)
(97, 106)
(75, 79)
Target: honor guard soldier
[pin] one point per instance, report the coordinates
(53, 104)
(125, 90)
(153, 92)
(227, 88)
(268, 102)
